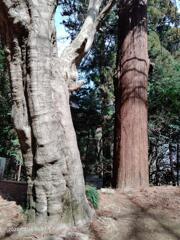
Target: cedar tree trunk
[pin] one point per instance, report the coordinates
(131, 141)
(41, 111)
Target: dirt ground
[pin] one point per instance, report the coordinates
(11, 216)
(151, 214)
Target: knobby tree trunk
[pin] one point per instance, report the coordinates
(131, 141)
(41, 111)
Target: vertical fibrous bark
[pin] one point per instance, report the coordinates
(131, 143)
(41, 111)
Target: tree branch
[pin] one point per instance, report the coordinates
(83, 42)
(72, 55)
(104, 12)
(75, 86)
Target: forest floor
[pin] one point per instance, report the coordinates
(11, 216)
(152, 214)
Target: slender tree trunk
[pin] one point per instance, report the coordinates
(19, 173)
(131, 141)
(157, 162)
(178, 162)
(171, 164)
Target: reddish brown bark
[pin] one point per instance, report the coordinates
(131, 141)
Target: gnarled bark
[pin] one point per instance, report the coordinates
(41, 109)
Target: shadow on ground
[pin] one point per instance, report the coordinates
(153, 214)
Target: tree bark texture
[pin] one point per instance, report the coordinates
(131, 141)
(41, 112)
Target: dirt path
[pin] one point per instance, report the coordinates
(153, 214)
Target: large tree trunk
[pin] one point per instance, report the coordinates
(41, 112)
(131, 142)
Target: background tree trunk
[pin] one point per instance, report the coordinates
(173, 179)
(131, 141)
(178, 162)
(41, 113)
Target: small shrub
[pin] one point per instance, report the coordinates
(92, 196)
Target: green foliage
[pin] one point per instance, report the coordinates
(9, 144)
(164, 91)
(164, 84)
(164, 80)
(164, 19)
(93, 196)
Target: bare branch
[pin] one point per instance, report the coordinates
(80, 46)
(104, 12)
(74, 86)
(83, 42)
